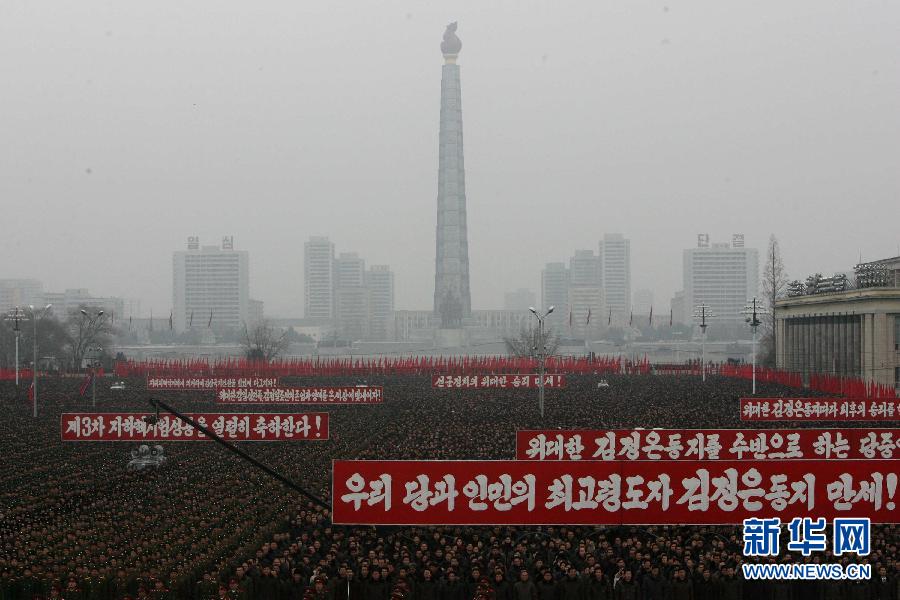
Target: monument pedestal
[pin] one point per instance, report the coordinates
(450, 338)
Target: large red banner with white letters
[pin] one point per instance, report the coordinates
(250, 427)
(820, 409)
(612, 493)
(497, 381)
(708, 444)
(360, 394)
(208, 383)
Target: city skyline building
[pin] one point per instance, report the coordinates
(20, 292)
(585, 292)
(380, 286)
(615, 259)
(555, 291)
(318, 278)
(210, 287)
(351, 296)
(721, 275)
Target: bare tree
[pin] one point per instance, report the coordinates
(527, 343)
(87, 328)
(261, 342)
(774, 287)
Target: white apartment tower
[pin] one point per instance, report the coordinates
(585, 292)
(210, 286)
(351, 296)
(722, 275)
(615, 258)
(555, 290)
(380, 285)
(318, 275)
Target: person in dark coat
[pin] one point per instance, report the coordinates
(570, 588)
(626, 587)
(682, 588)
(427, 588)
(883, 586)
(503, 589)
(453, 589)
(524, 588)
(705, 588)
(597, 587)
(546, 586)
(653, 586)
(375, 587)
(730, 586)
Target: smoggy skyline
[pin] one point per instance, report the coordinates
(131, 128)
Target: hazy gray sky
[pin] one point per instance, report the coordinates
(128, 126)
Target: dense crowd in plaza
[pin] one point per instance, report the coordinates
(75, 523)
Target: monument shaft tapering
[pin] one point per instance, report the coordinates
(452, 300)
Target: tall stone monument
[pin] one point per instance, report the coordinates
(452, 301)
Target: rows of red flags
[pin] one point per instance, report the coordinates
(470, 365)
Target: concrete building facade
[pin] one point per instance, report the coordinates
(555, 291)
(318, 279)
(211, 285)
(20, 292)
(615, 257)
(851, 334)
(351, 296)
(724, 276)
(380, 285)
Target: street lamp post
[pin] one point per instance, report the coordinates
(91, 321)
(701, 314)
(541, 354)
(95, 362)
(752, 312)
(16, 315)
(34, 364)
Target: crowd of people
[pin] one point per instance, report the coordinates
(75, 523)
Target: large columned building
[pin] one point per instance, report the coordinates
(452, 300)
(854, 333)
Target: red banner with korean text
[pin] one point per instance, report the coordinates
(613, 493)
(361, 394)
(820, 409)
(208, 383)
(708, 444)
(249, 427)
(511, 380)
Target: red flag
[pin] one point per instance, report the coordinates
(86, 384)
(588, 322)
(31, 392)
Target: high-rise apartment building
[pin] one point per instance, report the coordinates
(721, 275)
(351, 296)
(585, 292)
(555, 290)
(318, 277)
(380, 285)
(615, 258)
(211, 286)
